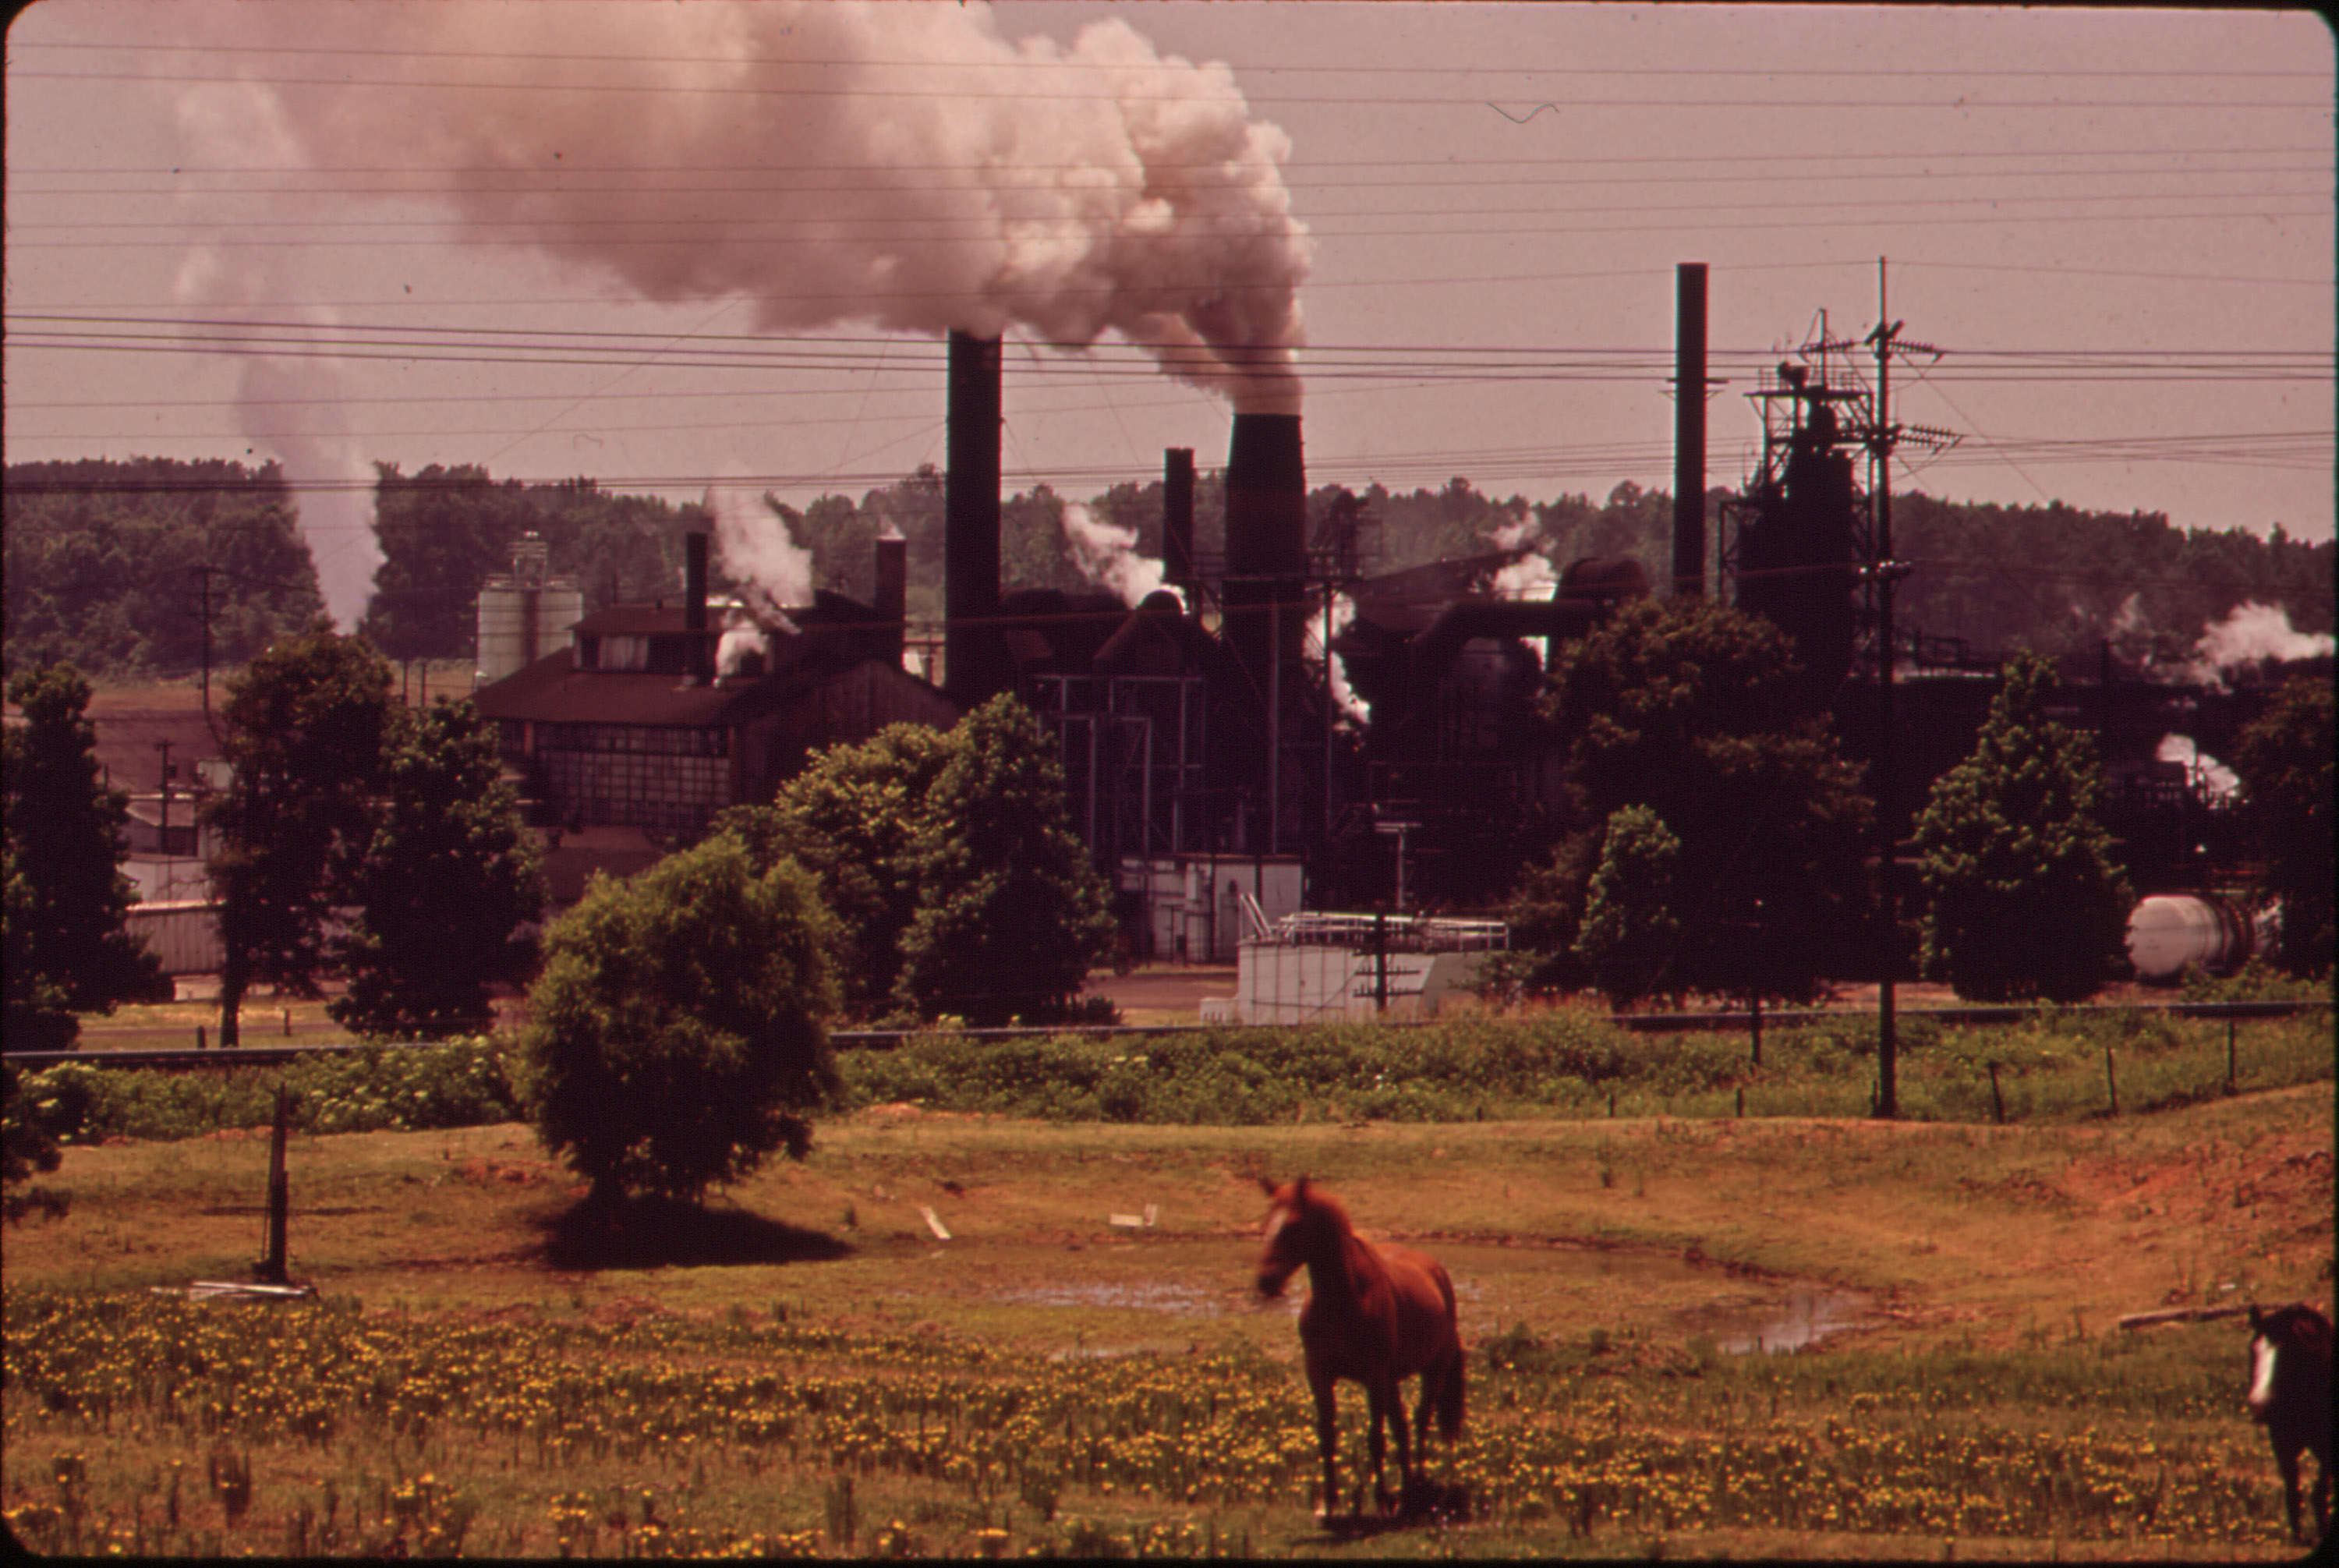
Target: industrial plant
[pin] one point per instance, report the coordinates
(1277, 744)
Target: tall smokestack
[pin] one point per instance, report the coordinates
(893, 591)
(1178, 516)
(973, 664)
(693, 607)
(1689, 430)
(1266, 542)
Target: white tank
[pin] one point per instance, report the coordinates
(2169, 931)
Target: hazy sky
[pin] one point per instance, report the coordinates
(563, 240)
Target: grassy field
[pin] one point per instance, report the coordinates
(810, 1366)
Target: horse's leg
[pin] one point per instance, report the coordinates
(1376, 1416)
(2286, 1459)
(1328, 1437)
(1395, 1407)
(2322, 1494)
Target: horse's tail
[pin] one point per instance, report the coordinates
(1450, 1395)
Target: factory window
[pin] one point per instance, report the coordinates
(624, 653)
(642, 740)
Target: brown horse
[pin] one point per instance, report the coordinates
(2290, 1392)
(1376, 1315)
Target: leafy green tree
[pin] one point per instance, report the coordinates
(1012, 916)
(1630, 931)
(68, 950)
(305, 729)
(1686, 707)
(111, 566)
(2284, 760)
(450, 877)
(677, 1035)
(2022, 897)
(852, 819)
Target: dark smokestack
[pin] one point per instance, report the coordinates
(1266, 541)
(700, 650)
(1689, 430)
(893, 591)
(972, 668)
(1178, 516)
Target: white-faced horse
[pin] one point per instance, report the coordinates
(2290, 1393)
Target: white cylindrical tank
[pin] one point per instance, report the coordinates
(2169, 931)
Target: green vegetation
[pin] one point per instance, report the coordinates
(304, 729)
(450, 877)
(950, 862)
(1562, 1062)
(333, 1430)
(676, 1035)
(1011, 912)
(1688, 710)
(66, 949)
(2285, 766)
(112, 567)
(2022, 897)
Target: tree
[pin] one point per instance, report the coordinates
(1630, 931)
(852, 819)
(68, 950)
(449, 876)
(2283, 759)
(305, 729)
(1687, 708)
(677, 1034)
(2022, 897)
(1012, 916)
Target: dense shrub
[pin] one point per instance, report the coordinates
(463, 1082)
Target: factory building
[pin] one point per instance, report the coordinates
(654, 718)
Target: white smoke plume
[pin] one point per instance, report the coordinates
(1335, 674)
(1106, 553)
(2254, 632)
(2212, 777)
(759, 554)
(292, 404)
(1530, 577)
(900, 164)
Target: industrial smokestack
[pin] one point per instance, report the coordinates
(1689, 431)
(1266, 542)
(893, 591)
(974, 662)
(1178, 516)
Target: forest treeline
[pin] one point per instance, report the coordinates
(116, 567)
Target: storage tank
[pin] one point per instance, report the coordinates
(2168, 931)
(525, 616)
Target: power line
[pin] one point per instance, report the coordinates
(1963, 103)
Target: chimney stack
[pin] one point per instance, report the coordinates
(1178, 516)
(1689, 431)
(973, 654)
(1266, 542)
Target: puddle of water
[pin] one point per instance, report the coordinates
(1188, 1300)
(1804, 1318)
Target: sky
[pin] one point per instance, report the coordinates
(670, 246)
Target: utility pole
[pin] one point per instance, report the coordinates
(1884, 573)
(164, 747)
(204, 576)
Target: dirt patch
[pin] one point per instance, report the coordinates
(511, 1172)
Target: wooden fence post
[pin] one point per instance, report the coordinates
(2111, 1079)
(1997, 1100)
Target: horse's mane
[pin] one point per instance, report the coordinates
(2301, 1326)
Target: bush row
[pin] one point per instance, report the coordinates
(462, 1082)
(1562, 1062)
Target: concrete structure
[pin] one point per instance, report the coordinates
(525, 615)
(1324, 968)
